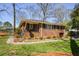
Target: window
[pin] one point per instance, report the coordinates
(58, 27)
(49, 26)
(30, 27)
(52, 26)
(62, 27)
(44, 25)
(55, 27)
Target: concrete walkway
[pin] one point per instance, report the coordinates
(44, 41)
(10, 41)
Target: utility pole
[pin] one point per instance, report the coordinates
(14, 16)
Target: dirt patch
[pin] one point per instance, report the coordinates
(3, 33)
(53, 54)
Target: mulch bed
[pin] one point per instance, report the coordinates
(54, 54)
(3, 33)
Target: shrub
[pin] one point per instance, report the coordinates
(48, 37)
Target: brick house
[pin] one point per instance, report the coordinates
(40, 29)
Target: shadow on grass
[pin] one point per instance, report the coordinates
(74, 47)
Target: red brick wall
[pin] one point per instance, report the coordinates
(45, 33)
(36, 34)
(51, 33)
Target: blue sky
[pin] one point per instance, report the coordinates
(8, 16)
(69, 6)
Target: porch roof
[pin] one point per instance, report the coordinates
(39, 22)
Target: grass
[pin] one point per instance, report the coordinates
(23, 50)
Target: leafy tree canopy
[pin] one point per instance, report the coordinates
(75, 17)
(1, 23)
(7, 24)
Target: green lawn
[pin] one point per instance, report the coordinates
(9, 49)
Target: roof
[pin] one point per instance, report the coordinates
(39, 21)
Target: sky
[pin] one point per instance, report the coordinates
(8, 15)
(69, 5)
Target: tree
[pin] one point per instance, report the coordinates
(30, 11)
(2, 10)
(7, 24)
(75, 17)
(59, 12)
(43, 11)
(1, 23)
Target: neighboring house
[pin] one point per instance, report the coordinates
(32, 28)
(5, 30)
